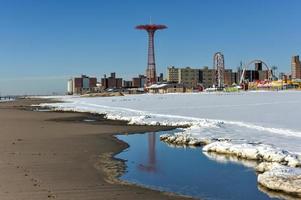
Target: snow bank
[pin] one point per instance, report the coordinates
(248, 126)
(6, 100)
(184, 140)
(281, 178)
(254, 151)
(278, 166)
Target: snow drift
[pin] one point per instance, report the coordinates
(280, 178)
(255, 126)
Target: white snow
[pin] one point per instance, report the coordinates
(262, 126)
(261, 152)
(157, 86)
(266, 117)
(280, 178)
(5, 100)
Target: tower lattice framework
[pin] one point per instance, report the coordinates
(151, 64)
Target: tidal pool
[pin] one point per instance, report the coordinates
(188, 171)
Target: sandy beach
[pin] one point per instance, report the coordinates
(51, 155)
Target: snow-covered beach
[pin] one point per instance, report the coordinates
(6, 100)
(260, 126)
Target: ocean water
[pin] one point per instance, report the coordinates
(188, 171)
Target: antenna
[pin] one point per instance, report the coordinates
(150, 19)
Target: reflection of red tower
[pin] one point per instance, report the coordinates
(151, 165)
(152, 148)
(151, 65)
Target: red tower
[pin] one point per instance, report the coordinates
(151, 65)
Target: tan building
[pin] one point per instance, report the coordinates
(173, 74)
(207, 77)
(186, 76)
(296, 67)
(189, 77)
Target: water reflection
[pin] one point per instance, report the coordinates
(150, 166)
(276, 194)
(224, 158)
(187, 171)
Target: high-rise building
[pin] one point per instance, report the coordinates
(208, 77)
(139, 82)
(83, 84)
(296, 67)
(192, 77)
(111, 82)
(189, 77)
(136, 82)
(127, 84)
(160, 78)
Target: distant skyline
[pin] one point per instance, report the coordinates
(43, 43)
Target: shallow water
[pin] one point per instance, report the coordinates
(188, 171)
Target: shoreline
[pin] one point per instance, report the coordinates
(262, 152)
(107, 167)
(113, 172)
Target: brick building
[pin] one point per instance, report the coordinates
(82, 85)
(296, 67)
(111, 82)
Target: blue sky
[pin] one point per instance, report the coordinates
(43, 42)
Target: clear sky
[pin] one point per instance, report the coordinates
(44, 42)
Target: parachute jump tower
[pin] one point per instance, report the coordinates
(151, 65)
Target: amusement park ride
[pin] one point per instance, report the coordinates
(242, 78)
(151, 65)
(219, 67)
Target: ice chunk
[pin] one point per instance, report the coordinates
(254, 151)
(281, 178)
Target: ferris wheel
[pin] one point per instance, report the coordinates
(219, 67)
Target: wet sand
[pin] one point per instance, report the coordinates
(51, 155)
